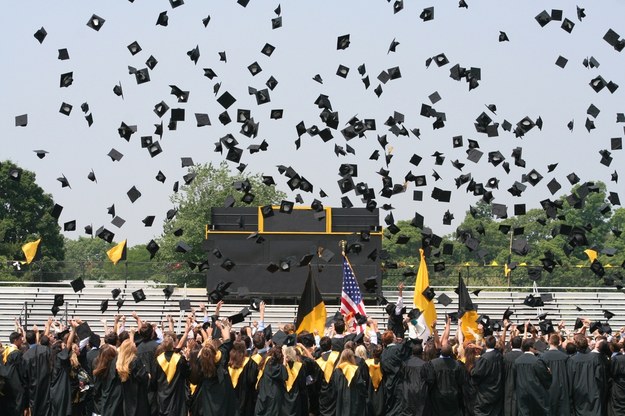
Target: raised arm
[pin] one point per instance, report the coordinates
(446, 331)
(137, 318)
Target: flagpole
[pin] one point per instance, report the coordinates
(509, 256)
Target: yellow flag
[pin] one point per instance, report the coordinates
(117, 253)
(592, 254)
(31, 251)
(427, 308)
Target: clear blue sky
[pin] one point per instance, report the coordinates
(519, 76)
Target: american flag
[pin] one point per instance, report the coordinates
(351, 298)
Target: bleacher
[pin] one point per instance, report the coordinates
(31, 304)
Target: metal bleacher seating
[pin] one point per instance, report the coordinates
(31, 304)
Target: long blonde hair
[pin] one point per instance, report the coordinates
(126, 353)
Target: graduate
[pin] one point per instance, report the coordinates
(37, 373)
(350, 386)
(172, 371)
(60, 383)
(134, 379)
(243, 376)
(487, 375)
(616, 405)
(510, 407)
(532, 382)
(392, 361)
(445, 378)
(588, 380)
(556, 360)
(271, 384)
(296, 396)
(13, 400)
(414, 386)
(104, 392)
(214, 394)
(146, 349)
(326, 362)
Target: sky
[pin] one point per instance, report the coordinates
(519, 76)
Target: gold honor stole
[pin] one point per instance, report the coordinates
(293, 372)
(327, 366)
(8, 350)
(348, 371)
(169, 367)
(375, 373)
(236, 372)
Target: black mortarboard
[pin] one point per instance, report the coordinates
(115, 293)
(77, 284)
(138, 295)
(104, 305)
(607, 314)
(95, 22)
(152, 247)
(444, 300)
(428, 293)
(168, 291)
(59, 300)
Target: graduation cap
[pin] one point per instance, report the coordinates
(607, 314)
(429, 293)
(104, 305)
(168, 291)
(59, 300)
(77, 284)
(115, 293)
(444, 300)
(138, 295)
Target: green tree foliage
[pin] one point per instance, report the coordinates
(25, 217)
(210, 188)
(545, 231)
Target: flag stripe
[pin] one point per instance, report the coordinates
(351, 298)
(422, 282)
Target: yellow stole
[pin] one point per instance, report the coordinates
(257, 358)
(293, 373)
(8, 350)
(327, 366)
(168, 367)
(375, 373)
(348, 371)
(236, 372)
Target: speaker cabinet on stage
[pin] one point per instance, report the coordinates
(261, 248)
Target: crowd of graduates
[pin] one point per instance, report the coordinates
(207, 368)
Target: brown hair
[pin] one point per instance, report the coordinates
(237, 354)
(347, 356)
(103, 362)
(388, 338)
(206, 360)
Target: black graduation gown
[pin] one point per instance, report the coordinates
(375, 389)
(271, 390)
(135, 390)
(469, 392)
(616, 405)
(532, 382)
(351, 395)
(296, 396)
(14, 394)
(214, 395)
(313, 374)
(37, 373)
(172, 394)
(245, 389)
(60, 385)
(559, 397)
(145, 352)
(327, 395)
(111, 392)
(445, 377)
(588, 380)
(488, 377)
(90, 359)
(509, 408)
(392, 361)
(415, 388)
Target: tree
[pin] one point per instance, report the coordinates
(25, 215)
(210, 188)
(548, 233)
